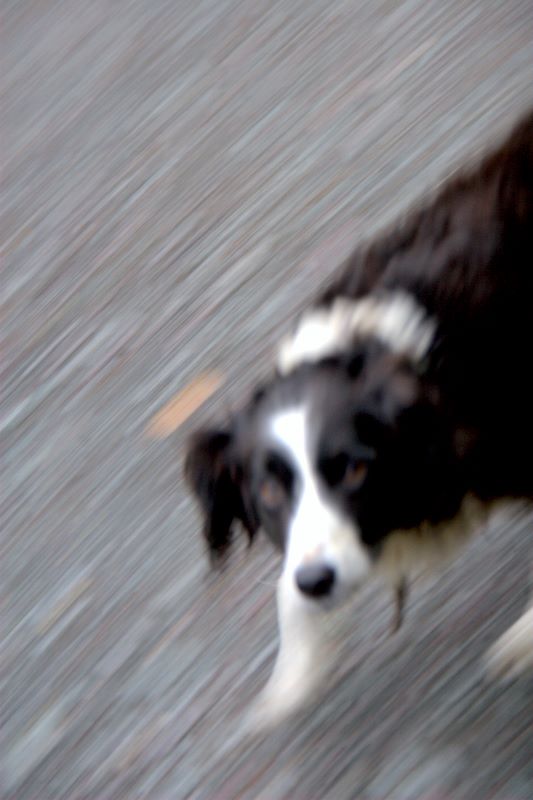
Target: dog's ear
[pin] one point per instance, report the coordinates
(404, 410)
(387, 404)
(216, 477)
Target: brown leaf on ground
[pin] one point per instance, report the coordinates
(183, 404)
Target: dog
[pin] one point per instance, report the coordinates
(400, 412)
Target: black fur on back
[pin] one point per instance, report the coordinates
(467, 256)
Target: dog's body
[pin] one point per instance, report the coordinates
(400, 413)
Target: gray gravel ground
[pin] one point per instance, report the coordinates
(178, 179)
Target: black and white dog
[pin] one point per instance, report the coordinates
(400, 412)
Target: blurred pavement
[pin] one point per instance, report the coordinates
(178, 179)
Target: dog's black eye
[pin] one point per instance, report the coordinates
(276, 467)
(341, 470)
(354, 475)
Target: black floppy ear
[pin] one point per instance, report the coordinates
(354, 362)
(402, 408)
(371, 427)
(215, 476)
(388, 406)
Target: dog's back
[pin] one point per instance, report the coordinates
(467, 256)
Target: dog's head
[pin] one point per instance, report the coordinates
(344, 446)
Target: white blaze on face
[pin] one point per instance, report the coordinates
(318, 532)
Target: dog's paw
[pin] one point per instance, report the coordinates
(512, 654)
(286, 693)
(274, 705)
(266, 713)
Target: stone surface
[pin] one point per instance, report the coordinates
(178, 179)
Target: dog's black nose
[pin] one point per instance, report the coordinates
(316, 580)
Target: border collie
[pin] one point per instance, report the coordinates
(399, 413)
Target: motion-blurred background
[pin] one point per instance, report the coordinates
(179, 178)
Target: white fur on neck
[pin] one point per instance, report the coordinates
(395, 318)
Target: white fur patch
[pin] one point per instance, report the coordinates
(396, 319)
(301, 666)
(317, 531)
(512, 654)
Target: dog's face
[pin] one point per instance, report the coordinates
(330, 460)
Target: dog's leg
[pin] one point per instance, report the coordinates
(301, 663)
(512, 653)
(400, 596)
